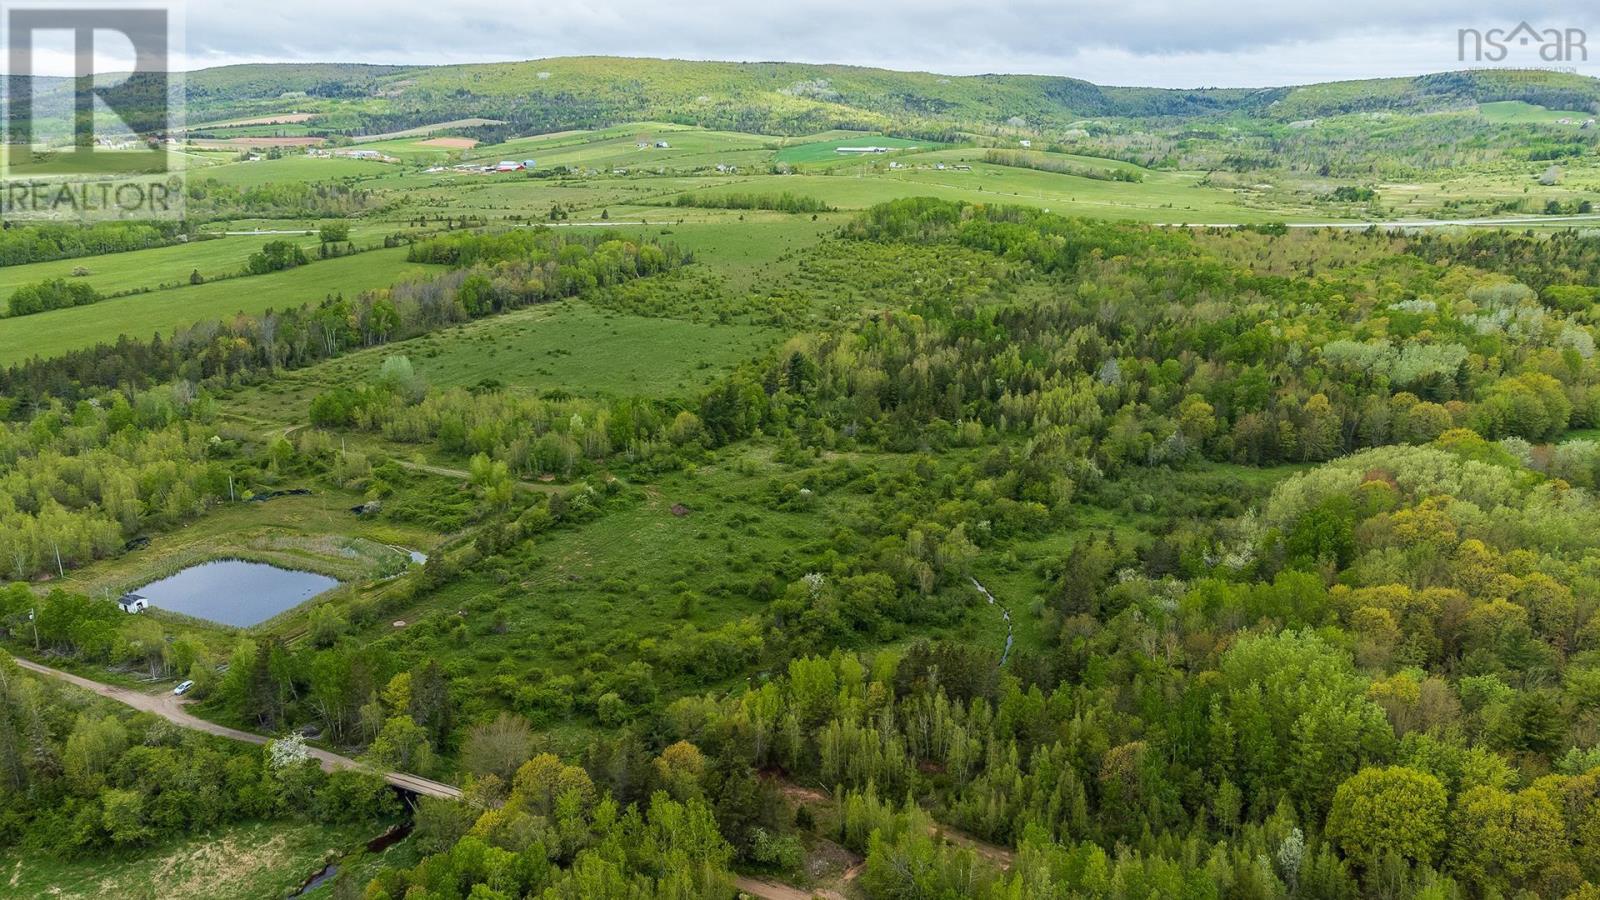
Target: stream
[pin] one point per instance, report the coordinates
(377, 845)
(1004, 614)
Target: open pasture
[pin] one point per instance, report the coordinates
(293, 167)
(619, 148)
(141, 315)
(1165, 197)
(825, 148)
(571, 346)
(241, 862)
(1522, 112)
(117, 273)
(423, 130)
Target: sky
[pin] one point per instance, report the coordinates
(1163, 43)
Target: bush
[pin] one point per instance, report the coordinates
(354, 796)
(275, 256)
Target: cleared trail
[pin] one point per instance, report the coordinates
(171, 707)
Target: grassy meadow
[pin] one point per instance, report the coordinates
(243, 862)
(161, 311)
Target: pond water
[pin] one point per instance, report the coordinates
(235, 592)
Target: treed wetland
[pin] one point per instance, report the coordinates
(805, 480)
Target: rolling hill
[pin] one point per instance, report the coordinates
(793, 98)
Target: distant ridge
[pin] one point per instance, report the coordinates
(797, 98)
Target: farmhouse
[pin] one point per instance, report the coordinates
(508, 165)
(861, 149)
(133, 603)
(361, 154)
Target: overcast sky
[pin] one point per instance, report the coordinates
(1167, 43)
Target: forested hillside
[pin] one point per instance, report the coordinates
(791, 98)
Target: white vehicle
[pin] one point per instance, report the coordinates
(183, 688)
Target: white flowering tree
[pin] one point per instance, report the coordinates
(288, 751)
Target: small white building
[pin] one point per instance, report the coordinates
(133, 603)
(1025, 143)
(663, 145)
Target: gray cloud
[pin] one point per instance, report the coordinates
(1157, 42)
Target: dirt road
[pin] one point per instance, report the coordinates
(772, 890)
(170, 707)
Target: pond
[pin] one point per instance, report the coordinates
(235, 592)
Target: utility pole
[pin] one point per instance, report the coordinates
(33, 616)
(230, 487)
(60, 572)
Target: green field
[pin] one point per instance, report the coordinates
(116, 273)
(1521, 112)
(141, 315)
(577, 348)
(744, 250)
(243, 862)
(1166, 197)
(294, 166)
(42, 164)
(619, 147)
(826, 150)
(571, 346)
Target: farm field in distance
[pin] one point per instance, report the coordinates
(160, 311)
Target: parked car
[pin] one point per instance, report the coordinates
(183, 688)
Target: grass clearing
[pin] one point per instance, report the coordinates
(291, 168)
(1522, 112)
(826, 150)
(243, 862)
(569, 346)
(157, 267)
(1166, 197)
(141, 315)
